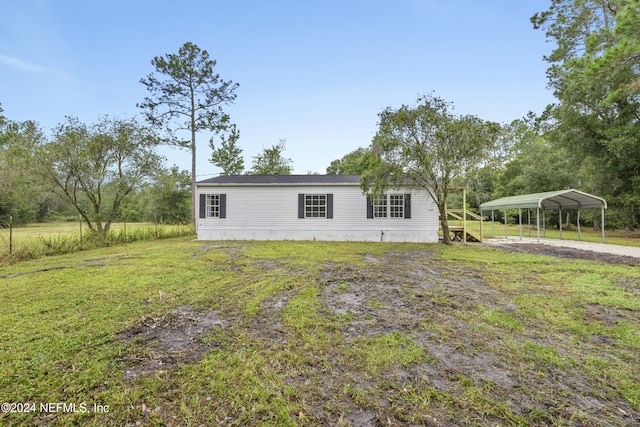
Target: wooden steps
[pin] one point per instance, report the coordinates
(458, 232)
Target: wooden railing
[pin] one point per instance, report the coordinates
(464, 228)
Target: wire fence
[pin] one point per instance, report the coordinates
(22, 243)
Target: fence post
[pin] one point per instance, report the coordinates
(10, 234)
(80, 216)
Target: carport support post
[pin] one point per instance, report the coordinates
(560, 219)
(538, 223)
(493, 224)
(520, 221)
(602, 222)
(529, 220)
(578, 221)
(505, 224)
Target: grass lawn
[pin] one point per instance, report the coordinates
(183, 333)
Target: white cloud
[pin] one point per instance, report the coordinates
(20, 64)
(30, 68)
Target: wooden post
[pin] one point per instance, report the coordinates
(80, 232)
(464, 214)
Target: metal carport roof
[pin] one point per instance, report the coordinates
(563, 199)
(554, 200)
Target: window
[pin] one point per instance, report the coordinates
(315, 205)
(213, 206)
(380, 207)
(396, 205)
(389, 206)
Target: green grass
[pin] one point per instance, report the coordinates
(56, 238)
(466, 335)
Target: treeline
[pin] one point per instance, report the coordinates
(588, 140)
(42, 178)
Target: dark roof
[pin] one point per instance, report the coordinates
(282, 179)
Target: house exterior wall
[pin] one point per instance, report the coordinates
(270, 212)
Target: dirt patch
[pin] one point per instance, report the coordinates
(437, 304)
(569, 253)
(165, 340)
(525, 371)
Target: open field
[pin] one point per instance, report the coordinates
(178, 332)
(54, 238)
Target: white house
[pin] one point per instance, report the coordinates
(310, 207)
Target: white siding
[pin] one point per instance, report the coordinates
(270, 212)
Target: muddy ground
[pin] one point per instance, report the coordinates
(410, 293)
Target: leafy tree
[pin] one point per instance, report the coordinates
(94, 168)
(169, 197)
(427, 147)
(21, 195)
(186, 94)
(271, 161)
(538, 167)
(229, 156)
(594, 73)
(353, 163)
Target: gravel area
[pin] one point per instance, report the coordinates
(569, 249)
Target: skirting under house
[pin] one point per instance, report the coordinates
(310, 207)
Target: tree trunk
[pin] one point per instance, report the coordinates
(444, 223)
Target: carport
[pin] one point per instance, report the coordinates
(551, 200)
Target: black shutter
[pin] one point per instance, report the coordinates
(223, 206)
(300, 205)
(203, 206)
(330, 206)
(369, 207)
(407, 205)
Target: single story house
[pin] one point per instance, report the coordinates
(310, 207)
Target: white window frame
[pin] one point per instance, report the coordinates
(380, 205)
(315, 205)
(391, 205)
(396, 205)
(212, 206)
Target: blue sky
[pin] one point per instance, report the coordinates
(315, 73)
